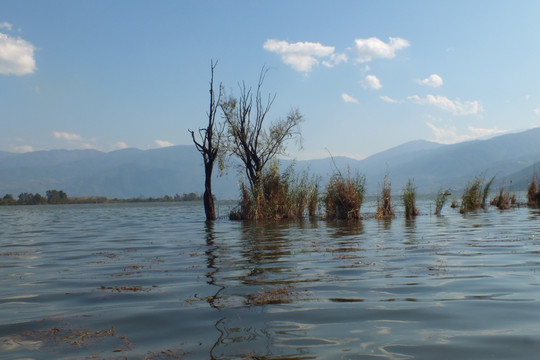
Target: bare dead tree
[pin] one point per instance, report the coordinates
(249, 139)
(209, 144)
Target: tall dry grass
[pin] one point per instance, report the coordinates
(408, 195)
(475, 194)
(533, 193)
(384, 203)
(440, 200)
(277, 196)
(503, 200)
(344, 196)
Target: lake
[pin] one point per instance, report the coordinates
(155, 281)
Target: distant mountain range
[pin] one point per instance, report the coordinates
(129, 173)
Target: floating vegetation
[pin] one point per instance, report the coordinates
(166, 354)
(124, 288)
(346, 300)
(281, 295)
(65, 335)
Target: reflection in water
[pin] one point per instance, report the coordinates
(441, 287)
(211, 255)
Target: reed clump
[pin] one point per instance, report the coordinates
(344, 196)
(475, 194)
(408, 196)
(277, 196)
(440, 200)
(533, 193)
(384, 203)
(504, 200)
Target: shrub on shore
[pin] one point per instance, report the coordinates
(344, 196)
(408, 196)
(475, 195)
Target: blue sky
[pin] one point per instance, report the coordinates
(366, 75)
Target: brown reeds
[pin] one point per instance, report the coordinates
(533, 193)
(344, 196)
(408, 196)
(277, 196)
(384, 203)
(475, 195)
(440, 200)
(504, 200)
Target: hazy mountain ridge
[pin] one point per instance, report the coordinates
(178, 169)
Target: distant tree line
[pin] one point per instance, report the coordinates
(60, 197)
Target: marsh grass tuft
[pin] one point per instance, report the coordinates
(442, 196)
(408, 196)
(533, 193)
(475, 194)
(503, 201)
(384, 203)
(277, 196)
(344, 196)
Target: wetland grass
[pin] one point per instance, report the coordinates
(442, 196)
(475, 194)
(384, 203)
(533, 193)
(408, 196)
(344, 196)
(277, 196)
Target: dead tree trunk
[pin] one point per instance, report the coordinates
(209, 146)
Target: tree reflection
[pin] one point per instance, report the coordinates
(211, 258)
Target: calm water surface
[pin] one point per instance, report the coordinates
(155, 281)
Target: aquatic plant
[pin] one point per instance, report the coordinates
(282, 295)
(503, 200)
(277, 196)
(344, 196)
(384, 203)
(533, 193)
(440, 200)
(408, 196)
(475, 194)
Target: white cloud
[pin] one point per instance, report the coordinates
(433, 80)
(388, 99)
(335, 59)
(6, 25)
(67, 136)
(348, 98)
(537, 111)
(373, 48)
(16, 56)
(302, 56)
(372, 82)
(482, 132)
(450, 135)
(163, 143)
(456, 107)
(23, 149)
(120, 145)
